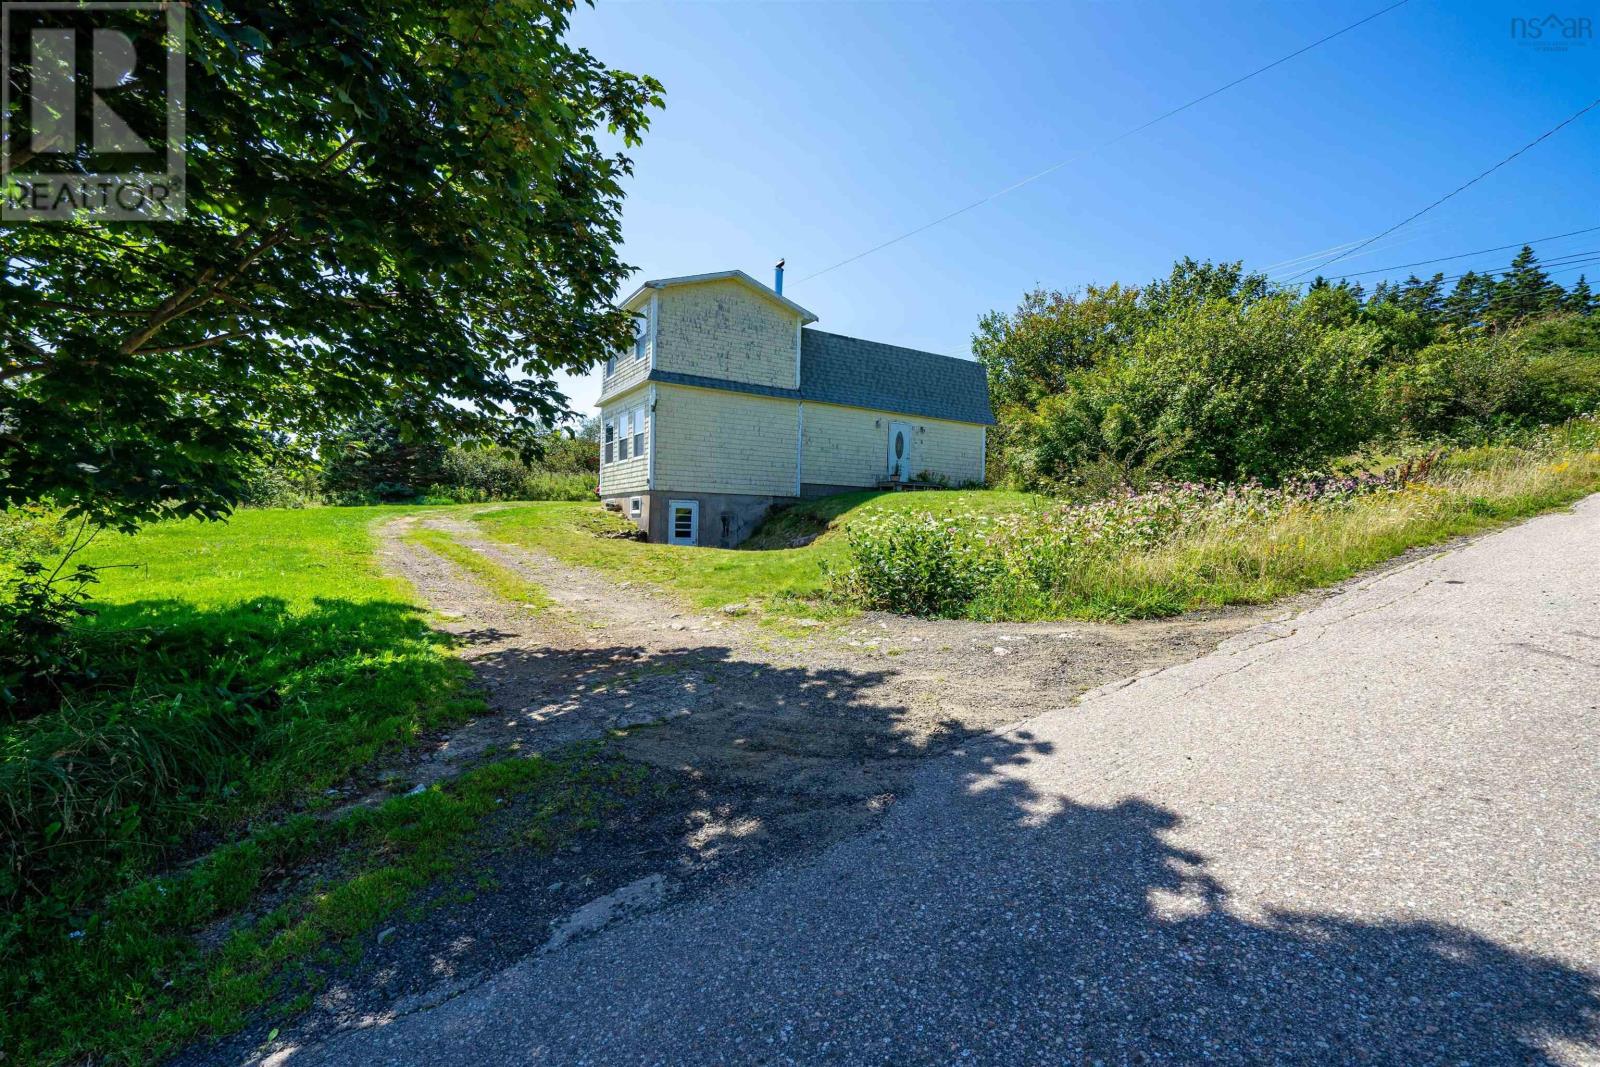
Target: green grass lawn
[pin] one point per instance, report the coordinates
(234, 668)
(1475, 489)
(761, 575)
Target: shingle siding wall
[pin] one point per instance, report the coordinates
(953, 449)
(723, 330)
(719, 442)
(631, 368)
(631, 475)
(849, 446)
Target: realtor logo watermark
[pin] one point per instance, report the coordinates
(92, 111)
(1553, 33)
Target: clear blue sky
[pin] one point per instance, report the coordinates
(815, 130)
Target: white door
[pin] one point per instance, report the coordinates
(683, 522)
(900, 451)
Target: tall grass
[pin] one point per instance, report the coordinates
(1178, 548)
(531, 485)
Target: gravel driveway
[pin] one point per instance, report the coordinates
(1365, 835)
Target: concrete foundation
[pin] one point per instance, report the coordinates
(726, 519)
(812, 490)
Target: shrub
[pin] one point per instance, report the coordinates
(1470, 382)
(1215, 390)
(42, 597)
(38, 606)
(34, 532)
(274, 487)
(917, 564)
(530, 485)
(1086, 558)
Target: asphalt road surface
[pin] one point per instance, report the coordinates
(1370, 834)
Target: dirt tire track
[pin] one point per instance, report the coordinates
(832, 712)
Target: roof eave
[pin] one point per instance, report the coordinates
(633, 298)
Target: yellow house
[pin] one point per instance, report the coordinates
(729, 403)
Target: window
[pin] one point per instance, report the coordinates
(638, 431)
(634, 507)
(611, 365)
(641, 336)
(623, 435)
(683, 522)
(611, 437)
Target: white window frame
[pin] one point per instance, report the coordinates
(611, 364)
(635, 507)
(638, 431)
(672, 522)
(641, 336)
(624, 435)
(608, 442)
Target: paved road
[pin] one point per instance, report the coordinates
(1368, 836)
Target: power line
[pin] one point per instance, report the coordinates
(1465, 185)
(1104, 145)
(1284, 264)
(1465, 255)
(1575, 261)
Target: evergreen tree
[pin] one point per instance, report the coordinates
(1579, 299)
(1469, 300)
(1525, 291)
(1426, 298)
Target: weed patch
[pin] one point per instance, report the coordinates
(136, 979)
(1178, 547)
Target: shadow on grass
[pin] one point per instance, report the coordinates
(192, 715)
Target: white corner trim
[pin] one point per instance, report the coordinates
(650, 455)
(799, 442)
(655, 330)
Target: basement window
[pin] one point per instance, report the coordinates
(635, 505)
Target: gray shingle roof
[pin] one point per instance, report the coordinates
(835, 369)
(847, 370)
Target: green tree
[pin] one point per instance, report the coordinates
(1216, 389)
(1424, 298)
(378, 457)
(392, 203)
(1191, 282)
(1524, 292)
(1580, 301)
(1468, 302)
(1033, 351)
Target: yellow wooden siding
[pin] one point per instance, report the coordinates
(849, 446)
(631, 475)
(631, 369)
(720, 442)
(723, 330)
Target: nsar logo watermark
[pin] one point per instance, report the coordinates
(1553, 33)
(92, 113)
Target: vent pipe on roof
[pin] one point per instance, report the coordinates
(777, 278)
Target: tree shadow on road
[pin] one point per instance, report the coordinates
(1125, 949)
(982, 919)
